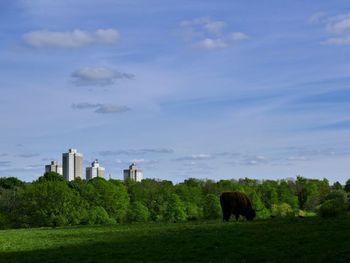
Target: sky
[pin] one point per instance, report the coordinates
(202, 89)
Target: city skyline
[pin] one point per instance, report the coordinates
(215, 90)
(72, 167)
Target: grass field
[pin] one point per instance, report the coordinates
(276, 240)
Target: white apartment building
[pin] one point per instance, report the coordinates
(133, 173)
(72, 165)
(95, 170)
(54, 166)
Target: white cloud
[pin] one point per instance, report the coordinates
(100, 108)
(145, 163)
(85, 105)
(200, 156)
(337, 26)
(297, 158)
(207, 34)
(209, 43)
(103, 109)
(337, 41)
(98, 76)
(251, 160)
(28, 155)
(317, 18)
(34, 167)
(236, 36)
(70, 39)
(138, 151)
(5, 163)
(107, 36)
(195, 157)
(256, 160)
(215, 27)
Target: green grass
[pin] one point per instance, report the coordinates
(277, 240)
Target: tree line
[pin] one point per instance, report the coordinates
(52, 201)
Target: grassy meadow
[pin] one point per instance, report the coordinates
(277, 240)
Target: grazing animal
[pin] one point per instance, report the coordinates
(236, 203)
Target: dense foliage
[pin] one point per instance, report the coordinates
(52, 201)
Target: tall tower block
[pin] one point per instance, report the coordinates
(72, 165)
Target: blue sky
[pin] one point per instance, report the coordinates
(205, 89)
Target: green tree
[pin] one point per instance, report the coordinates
(192, 197)
(228, 186)
(336, 203)
(175, 209)
(347, 186)
(268, 193)
(338, 195)
(286, 194)
(111, 195)
(51, 203)
(251, 183)
(210, 187)
(11, 202)
(301, 191)
(4, 221)
(52, 177)
(137, 212)
(211, 207)
(282, 210)
(10, 183)
(313, 196)
(323, 188)
(98, 215)
(337, 186)
(77, 185)
(154, 194)
(193, 211)
(258, 205)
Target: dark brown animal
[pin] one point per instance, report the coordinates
(236, 203)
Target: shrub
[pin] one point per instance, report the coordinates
(3, 221)
(331, 208)
(338, 195)
(281, 210)
(335, 204)
(193, 211)
(263, 214)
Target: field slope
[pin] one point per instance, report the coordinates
(288, 240)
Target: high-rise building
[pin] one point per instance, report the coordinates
(72, 165)
(95, 170)
(133, 173)
(54, 167)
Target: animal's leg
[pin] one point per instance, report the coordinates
(237, 216)
(226, 216)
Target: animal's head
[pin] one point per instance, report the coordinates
(251, 214)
